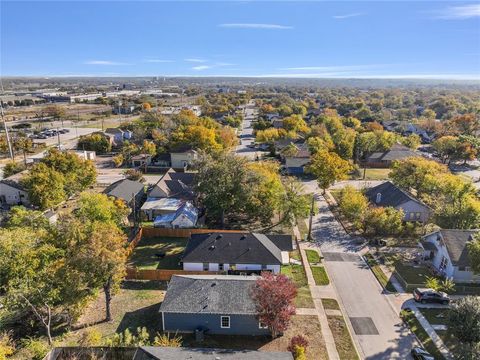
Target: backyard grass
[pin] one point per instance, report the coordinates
(379, 274)
(144, 254)
(295, 254)
(320, 275)
(330, 304)
(298, 276)
(343, 341)
(415, 326)
(313, 257)
(308, 326)
(372, 174)
(412, 274)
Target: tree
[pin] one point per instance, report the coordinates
(274, 296)
(20, 217)
(146, 106)
(134, 175)
(294, 203)
(328, 167)
(473, 248)
(45, 186)
(413, 141)
(96, 207)
(446, 147)
(95, 142)
(24, 144)
(383, 221)
(269, 135)
(7, 346)
(55, 111)
(12, 168)
(118, 160)
(353, 205)
(464, 319)
(100, 256)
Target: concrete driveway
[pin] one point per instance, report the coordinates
(376, 325)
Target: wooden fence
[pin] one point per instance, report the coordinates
(149, 232)
(161, 274)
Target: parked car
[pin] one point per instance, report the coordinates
(429, 295)
(421, 354)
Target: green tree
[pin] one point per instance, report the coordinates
(95, 142)
(12, 168)
(353, 205)
(473, 248)
(20, 217)
(413, 141)
(96, 207)
(328, 167)
(294, 204)
(45, 186)
(464, 319)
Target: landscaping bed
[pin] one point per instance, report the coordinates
(313, 257)
(298, 276)
(379, 274)
(144, 255)
(343, 341)
(320, 275)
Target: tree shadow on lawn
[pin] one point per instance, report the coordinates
(148, 317)
(144, 285)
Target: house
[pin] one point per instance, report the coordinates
(162, 353)
(130, 191)
(184, 218)
(162, 160)
(174, 184)
(214, 304)
(272, 116)
(386, 158)
(447, 251)
(117, 135)
(140, 160)
(277, 123)
(415, 129)
(12, 191)
(154, 207)
(237, 252)
(297, 159)
(182, 156)
(389, 195)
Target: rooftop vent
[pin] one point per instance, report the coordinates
(212, 247)
(213, 284)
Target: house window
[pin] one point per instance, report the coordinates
(205, 266)
(411, 216)
(262, 325)
(417, 215)
(220, 267)
(225, 322)
(443, 263)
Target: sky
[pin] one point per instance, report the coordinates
(318, 39)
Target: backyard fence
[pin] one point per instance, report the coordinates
(149, 232)
(159, 274)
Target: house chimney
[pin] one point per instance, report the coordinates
(379, 198)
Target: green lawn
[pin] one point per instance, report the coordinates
(415, 326)
(379, 274)
(302, 228)
(298, 276)
(373, 174)
(143, 256)
(295, 254)
(320, 275)
(435, 316)
(412, 274)
(313, 257)
(343, 341)
(330, 304)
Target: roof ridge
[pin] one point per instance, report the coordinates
(267, 244)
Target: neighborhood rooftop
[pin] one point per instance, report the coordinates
(237, 248)
(209, 294)
(390, 195)
(124, 189)
(455, 241)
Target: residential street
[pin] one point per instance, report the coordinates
(377, 328)
(246, 134)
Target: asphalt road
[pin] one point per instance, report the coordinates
(246, 134)
(378, 330)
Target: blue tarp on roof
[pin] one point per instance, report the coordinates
(188, 210)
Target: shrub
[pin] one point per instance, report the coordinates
(134, 175)
(166, 340)
(299, 353)
(90, 337)
(297, 340)
(7, 346)
(36, 349)
(464, 319)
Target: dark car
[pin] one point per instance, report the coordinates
(429, 295)
(421, 354)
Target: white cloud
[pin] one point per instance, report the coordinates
(195, 60)
(201, 67)
(105, 62)
(256, 26)
(157, 61)
(346, 16)
(459, 12)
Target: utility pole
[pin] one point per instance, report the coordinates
(310, 220)
(9, 143)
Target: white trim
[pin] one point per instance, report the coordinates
(262, 326)
(163, 322)
(221, 322)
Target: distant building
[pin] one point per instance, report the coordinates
(141, 160)
(389, 195)
(12, 192)
(117, 135)
(215, 304)
(448, 253)
(131, 192)
(184, 218)
(154, 207)
(174, 184)
(297, 159)
(182, 157)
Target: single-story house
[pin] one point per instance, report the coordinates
(162, 160)
(216, 304)
(415, 129)
(277, 123)
(154, 207)
(386, 158)
(184, 218)
(130, 191)
(389, 195)
(182, 156)
(295, 162)
(140, 160)
(272, 116)
(237, 252)
(116, 133)
(12, 192)
(174, 184)
(447, 250)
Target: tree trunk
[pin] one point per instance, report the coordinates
(108, 298)
(222, 219)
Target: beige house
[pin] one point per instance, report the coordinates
(12, 192)
(182, 157)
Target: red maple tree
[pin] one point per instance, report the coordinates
(274, 295)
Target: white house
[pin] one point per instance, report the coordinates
(12, 192)
(237, 252)
(184, 218)
(180, 158)
(448, 253)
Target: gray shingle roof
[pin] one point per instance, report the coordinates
(391, 195)
(237, 248)
(456, 240)
(181, 353)
(124, 189)
(397, 152)
(209, 294)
